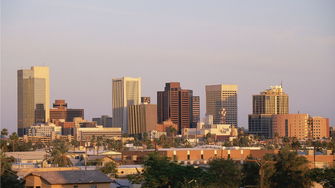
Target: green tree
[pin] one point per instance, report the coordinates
(224, 173)
(164, 141)
(173, 175)
(115, 145)
(208, 138)
(4, 132)
(75, 144)
(3, 145)
(99, 142)
(295, 145)
(109, 169)
(58, 154)
(326, 177)
(8, 176)
(14, 139)
(291, 171)
(250, 174)
(243, 141)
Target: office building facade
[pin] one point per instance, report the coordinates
(176, 104)
(301, 126)
(142, 118)
(104, 120)
(33, 92)
(195, 111)
(61, 112)
(269, 102)
(221, 103)
(126, 91)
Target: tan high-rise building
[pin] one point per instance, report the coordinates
(222, 98)
(271, 101)
(126, 91)
(264, 105)
(142, 118)
(301, 126)
(33, 92)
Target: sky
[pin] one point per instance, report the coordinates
(254, 44)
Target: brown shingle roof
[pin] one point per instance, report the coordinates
(73, 177)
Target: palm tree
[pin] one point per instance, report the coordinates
(58, 154)
(4, 132)
(100, 141)
(14, 138)
(93, 141)
(75, 144)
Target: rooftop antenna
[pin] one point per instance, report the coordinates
(281, 83)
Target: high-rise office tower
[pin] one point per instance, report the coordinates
(195, 111)
(33, 95)
(126, 91)
(270, 101)
(267, 103)
(142, 118)
(222, 99)
(176, 104)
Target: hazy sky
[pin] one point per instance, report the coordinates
(254, 44)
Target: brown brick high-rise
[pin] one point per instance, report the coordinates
(176, 104)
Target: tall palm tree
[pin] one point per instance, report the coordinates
(14, 138)
(58, 154)
(100, 141)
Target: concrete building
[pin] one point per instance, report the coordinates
(176, 104)
(142, 118)
(43, 130)
(220, 132)
(61, 112)
(126, 91)
(86, 133)
(104, 120)
(222, 98)
(301, 126)
(269, 102)
(33, 93)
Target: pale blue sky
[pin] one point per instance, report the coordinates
(254, 44)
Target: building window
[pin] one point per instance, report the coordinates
(75, 186)
(188, 156)
(202, 156)
(93, 186)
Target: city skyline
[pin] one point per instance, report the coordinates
(140, 91)
(222, 43)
